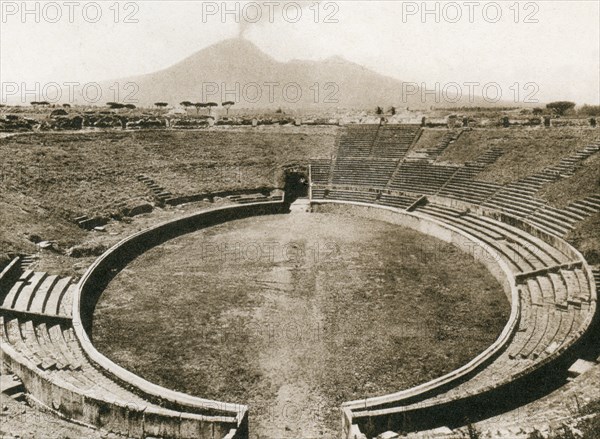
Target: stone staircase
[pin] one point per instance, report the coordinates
(159, 193)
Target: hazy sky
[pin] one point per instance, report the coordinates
(553, 44)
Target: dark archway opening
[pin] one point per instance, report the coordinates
(295, 184)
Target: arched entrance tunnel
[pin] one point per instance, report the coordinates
(295, 183)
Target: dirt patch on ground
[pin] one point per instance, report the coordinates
(294, 314)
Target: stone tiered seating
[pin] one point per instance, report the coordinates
(362, 172)
(349, 195)
(555, 308)
(519, 199)
(318, 193)
(585, 207)
(357, 140)
(462, 187)
(399, 201)
(515, 198)
(53, 349)
(522, 254)
(488, 157)
(552, 301)
(253, 198)
(568, 165)
(554, 293)
(560, 221)
(367, 155)
(320, 170)
(431, 154)
(393, 141)
(421, 177)
(39, 293)
(457, 182)
(384, 199)
(40, 346)
(449, 138)
(513, 201)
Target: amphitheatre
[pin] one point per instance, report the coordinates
(321, 279)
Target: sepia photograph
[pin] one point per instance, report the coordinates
(310, 219)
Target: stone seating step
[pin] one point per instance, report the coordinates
(533, 286)
(540, 328)
(573, 216)
(57, 338)
(584, 291)
(594, 198)
(48, 348)
(552, 329)
(547, 226)
(507, 207)
(38, 344)
(572, 286)
(495, 245)
(524, 256)
(522, 338)
(581, 210)
(25, 297)
(562, 334)
(553, 218)
(460, 190)
(65, 308)
(547, 253)
(29, 338)
(42, 295)
(524, 203)
(547, 289)
(52, 306)
(11, 297)
(11, 333)
(591, 204)
(464, 222)
(517, 190)
(560, 290)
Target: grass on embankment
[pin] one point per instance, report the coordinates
(430, 138)
(527, 150)
(48, 179)
(584, 182)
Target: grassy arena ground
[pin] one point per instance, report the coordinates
(295, 314)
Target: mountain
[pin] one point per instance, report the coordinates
(237, 70)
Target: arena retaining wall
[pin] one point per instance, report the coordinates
(131, 420)
(383, 413)
(208, 418)
(468, 244)
(201, 418)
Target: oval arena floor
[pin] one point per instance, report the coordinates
(295, 314)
